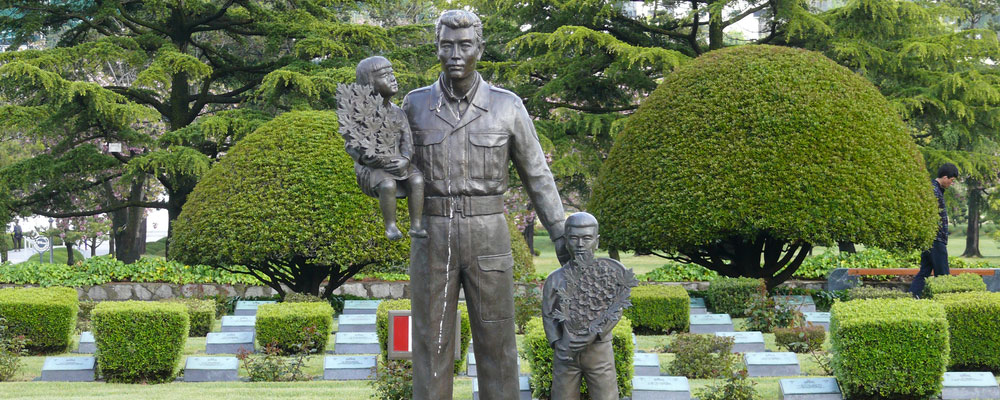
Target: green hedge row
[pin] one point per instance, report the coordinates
(45, 316)
(139, 341)
(535, 348)
(659, 309)
(284, 324)
(953, 284)
(201, 314)
(733, 295)
(104, 269)
(871, 292)
(974, 329)
(382, 329)
(889, 348)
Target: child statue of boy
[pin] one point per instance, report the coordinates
(377, 136)
(581, 304)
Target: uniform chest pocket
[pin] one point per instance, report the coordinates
(429, 154)
(488, 155)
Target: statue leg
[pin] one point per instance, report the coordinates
(566, 379)
(387, 203)
(434, 285)
(598, 362)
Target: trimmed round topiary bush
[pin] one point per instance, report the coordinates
(46, 317)
(139, 341)
(746, 157)
(285, 203)
(658, 309)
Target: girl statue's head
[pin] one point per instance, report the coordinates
(376, 71)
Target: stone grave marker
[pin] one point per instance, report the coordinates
(745, 342)
(68, 369)
(249, 308)
(356, 323)
(523, 384)
(211, 369)
(239, 323)
(228, 342)
(357, 343)
(711, 323)
(87, 344)
(698, 306)
(660, 388)
(348, 368)
(646, 364)
(470, 364)
(772, 364)
(801, 303)
(819, 319)
(810, 389)
(970, 385)
(361, 306)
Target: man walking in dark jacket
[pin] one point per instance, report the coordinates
(936, 258)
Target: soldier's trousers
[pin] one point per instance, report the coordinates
(596, 363)
(472, 253)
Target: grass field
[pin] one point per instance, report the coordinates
(58, 257)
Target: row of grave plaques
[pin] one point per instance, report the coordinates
(804, 304)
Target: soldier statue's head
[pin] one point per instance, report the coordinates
(376, 71)
(581, 237)
(459, 42)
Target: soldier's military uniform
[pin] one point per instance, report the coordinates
(463, 146)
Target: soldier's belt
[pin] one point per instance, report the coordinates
(463, 205)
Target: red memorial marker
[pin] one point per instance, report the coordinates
(400, 346)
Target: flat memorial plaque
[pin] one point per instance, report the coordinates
(228, 342)
(801, 303)
(711, 323)
(87, 344)
(810, 389)
(745, 342)
(348, 368)
(356, 343)
(772, 364)
(523, 384)
(698, 306)
(68, 369)
(818, 319)
(646, 364)
(970, 385)
(660, 388)
(361, 306)
(242, 323)
(249, 308)
(211, 369)
(356, 323)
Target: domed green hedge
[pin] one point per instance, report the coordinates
(285, 203)
(748, 150)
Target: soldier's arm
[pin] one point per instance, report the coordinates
(529, 160)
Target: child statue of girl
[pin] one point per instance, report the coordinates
(381, 152)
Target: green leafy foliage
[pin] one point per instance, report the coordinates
(800, 339)
(291, 187)
(382, 329)
(12, 348)
(736, 387)
(973, 330)
(393, 380)
(284, 324)
(659, 309)
(139, 341)
(768, 151)
(46, 317)
(872, 292)
(535, 348)
(105, 269)
(702, 356)
(764, 314)
(271, 365)
(527, 305)
(679, 272)
(889, 348)
(733, 295)
(201, 315)
(953, 284)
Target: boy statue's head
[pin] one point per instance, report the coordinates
(581, 237)
(376, 71)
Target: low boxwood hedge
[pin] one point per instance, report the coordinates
(889, 348)
(871, 292)
(659, 309)
(974, 329)
(201, 314)
(953, 284)
(733, 295)
(139, 341)
(382, 329)
(45, 316)
(284, 324)
(535, 348)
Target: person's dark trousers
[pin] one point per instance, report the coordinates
(936, 260)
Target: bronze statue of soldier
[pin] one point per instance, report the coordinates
(465, 135)
(581, 303)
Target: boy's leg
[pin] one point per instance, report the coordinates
(598, 362)
(387, 202)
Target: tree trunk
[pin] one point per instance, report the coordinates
(716, 36)
(846, 247)
(69, 253)
(972, 229)
(175, 202)
(126, 226)
(613, 253)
